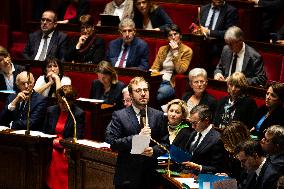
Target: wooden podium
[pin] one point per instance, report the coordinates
(23, 160)
(89, 168)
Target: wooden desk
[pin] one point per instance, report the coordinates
(23, 161)
(89, 167)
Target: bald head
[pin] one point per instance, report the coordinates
(25, 81)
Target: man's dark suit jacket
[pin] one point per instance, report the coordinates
(210, 153)
(253, 66)
(37, 113)
(245, 109)
(138, 55)
(56, 47)
(277, 161)
(267, 178)
(51, 119)
(18, 69)
(135, 170)
(228, 17)
(114, 95)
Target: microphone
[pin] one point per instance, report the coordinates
(62, 95)
(27, 132)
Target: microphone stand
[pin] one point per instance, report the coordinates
(74, 120)
(27, 132)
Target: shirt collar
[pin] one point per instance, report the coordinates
(120, 6)
(242, 50)
(260, 167)
(136, 110)
(49, 35)
(206, 131)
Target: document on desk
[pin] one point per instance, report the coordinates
(90, 100)
(190, 182)
(93, 143)
(3, 128)
(34, 133)
(139, 143)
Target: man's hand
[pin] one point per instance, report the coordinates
(192, 165)
(219, 76)
(145, 131)
(148, 152)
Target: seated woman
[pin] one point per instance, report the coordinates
(59, 121)
(69, 11)
(150, 16)
(237, 105)
(8, 71)
(171, 59)
(272, 113)
(198, 95)
(234, 133)
(52, 78)
(107, 87)
(88, 47)
(177, 113)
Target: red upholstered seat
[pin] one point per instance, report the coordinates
(272, 65)
(88, 124)
(18, 42)
(97, 7)
(282, 71)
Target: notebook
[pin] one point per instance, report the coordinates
(109, 20)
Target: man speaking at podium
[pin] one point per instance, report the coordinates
(15, 111)
(136, 171)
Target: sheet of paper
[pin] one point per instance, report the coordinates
(139, 143)
(94, 144)
(187, 181)
(2, 128)
(91, 100)
(34, 133)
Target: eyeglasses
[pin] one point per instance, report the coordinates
(195, 122)
(200, 82)
(47, 20)
(139, 90)
(125, 31)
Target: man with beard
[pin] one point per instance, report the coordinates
(46, 42)
(135, 171)
(128, 51)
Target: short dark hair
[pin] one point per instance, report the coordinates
(250, 148)
(87, 20)
(277, 132)
(171, 27)
(203, 112)
(54, 60)
(278, 89)
(105, 67)
(68, 92)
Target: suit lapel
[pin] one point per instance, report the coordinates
(37, 43)
(190, 140)
(206, 12)
(221, 16)
(204, 143)
(134, 121)
(52, 42)
(246, 59)
(130, 54)
(229, 58)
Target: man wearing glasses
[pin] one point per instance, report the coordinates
(46, 42)
(128, 51)
(136, 171)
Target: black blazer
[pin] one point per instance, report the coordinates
(114, 96)
(228, 17)
(245, 109)
(37, 113)
(56, 47)
(206, 99)
(159, 18)
(135, 170)
(52, 116)
(93, 54)
(18, 69)
(277, 161)
(275, 118)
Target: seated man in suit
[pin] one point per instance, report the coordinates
(8, 71)
(15, 111)
(136, 171)
(261, 174)
(272, 144)
(216, 17)
(47, 41)
(239, 57)
(205, 144)
(128, 51)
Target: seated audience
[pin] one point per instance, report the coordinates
(237, 105)
(272, 113)
(69, 11)
(198, 95)
(272, 143)
(52, 79)
(8, 71)
(47, 42)
(128, 51)
(177, 113)
(126, 99)
(59, 121)
(205, 144)
(235, 133)
(107, 87)
(88, 47)
(239, 57)
(171, 59)
(216, 17)
(261, 174)
(150, 16)
(121, 8)
(17, 106)
(137, 170)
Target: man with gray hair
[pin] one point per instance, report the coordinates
(272, 143)
(128, 51)
(239, 57)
